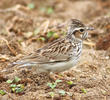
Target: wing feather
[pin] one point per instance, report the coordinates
(56, 51)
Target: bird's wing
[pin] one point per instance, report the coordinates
(57, 51)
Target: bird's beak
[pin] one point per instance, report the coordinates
(85, 35)
(90, 28)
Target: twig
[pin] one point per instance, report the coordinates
(10, 9)
(13, 52)
(46, 25)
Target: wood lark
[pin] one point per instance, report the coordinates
(61, 54)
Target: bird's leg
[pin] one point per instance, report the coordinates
(54, 76)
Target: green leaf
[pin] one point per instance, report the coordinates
(31, 6)
(52, 85)
(58, 81)
(55, 35)
(9, 81)
(16, 79)
(84, 91)
(13, 89)
(19, 90)
(20, 86)
(50, 10)
(13, 85)
(52, 94)
(41, 38)
(2, 92)
(50, 34)
(62, 92)
(70, 82)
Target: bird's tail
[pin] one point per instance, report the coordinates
(20, 64)
(24, 63)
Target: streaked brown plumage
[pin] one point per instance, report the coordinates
(61, 54)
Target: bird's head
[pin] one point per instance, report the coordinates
(78, 29)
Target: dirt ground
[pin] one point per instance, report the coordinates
(24, 27)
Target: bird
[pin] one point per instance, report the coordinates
(61, 54)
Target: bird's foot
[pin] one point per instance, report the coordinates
(54, 76)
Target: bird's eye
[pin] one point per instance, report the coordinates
(81, 30)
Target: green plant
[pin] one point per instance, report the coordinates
(2, 92)
(31, 6)
(62, 92)
(70, 82)
(58, 81)
(47, 10)
(41, 39)
(13, 85)
(53, 85)
(9, 81)
(50, 34)
(50, 10)
(15, 80)
(84, 91)
(55, 35)
(17, 88)
(52, 94)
